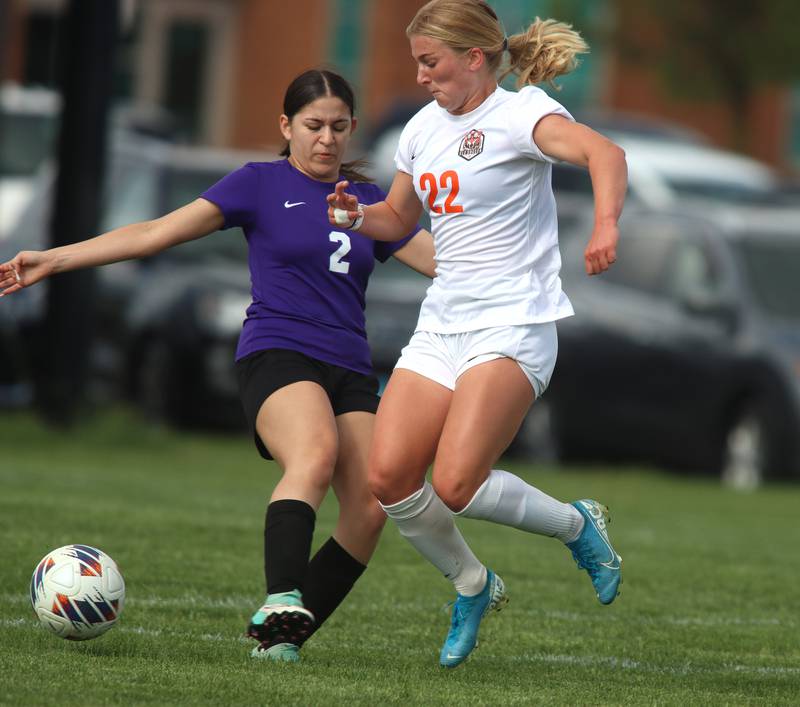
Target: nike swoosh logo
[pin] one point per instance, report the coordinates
(613, 563)
(450, 656)
(287, 205)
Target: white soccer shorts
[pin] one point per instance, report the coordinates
(445, 357)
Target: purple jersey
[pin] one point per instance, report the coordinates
(308, 278)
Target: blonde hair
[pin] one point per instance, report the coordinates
(547, 49)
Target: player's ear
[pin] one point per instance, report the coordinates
(475, 59)
(286, 126)
(353, 124)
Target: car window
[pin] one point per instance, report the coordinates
(643, 255)
(131, 196)
(690, 270)
(772, 268)
(734, 193)
(567, 178)
(182, 185)
(25, 141)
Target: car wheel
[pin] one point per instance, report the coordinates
(745, 452)
(537, 438)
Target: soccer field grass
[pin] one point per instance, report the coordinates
(709, 611)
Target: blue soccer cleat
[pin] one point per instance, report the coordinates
(281, 621)
(466, 619)
(592, 551)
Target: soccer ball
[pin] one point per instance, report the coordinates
(77, 592)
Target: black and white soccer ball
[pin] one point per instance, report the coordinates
(77, 592)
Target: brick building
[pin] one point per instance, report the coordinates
(221, 66)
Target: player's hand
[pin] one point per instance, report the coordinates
(602, 249)
(341, 201)
(25, 269)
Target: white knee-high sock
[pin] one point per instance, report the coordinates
(506, 499)
(428, 525)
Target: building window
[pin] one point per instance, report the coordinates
(187, 53)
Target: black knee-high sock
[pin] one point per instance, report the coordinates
(331, 575)
(288, 529)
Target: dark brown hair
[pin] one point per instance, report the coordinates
(307, 88)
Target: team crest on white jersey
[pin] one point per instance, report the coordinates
(471, 145)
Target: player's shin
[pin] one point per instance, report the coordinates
(506, 499)
(428, 525)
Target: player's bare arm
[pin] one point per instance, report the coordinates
(388, 220)
(136, 240)
(419, 254)
(577, 144)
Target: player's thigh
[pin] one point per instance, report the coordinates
(297, 425)
(488, 406)
(407, 427)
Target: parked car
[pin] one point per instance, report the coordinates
(686, 352)
(664, 173)
(166, 326)
(667, 163)
(28, 123)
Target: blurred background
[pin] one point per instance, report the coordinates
(686, 355)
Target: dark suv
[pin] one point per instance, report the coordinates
(687, 351)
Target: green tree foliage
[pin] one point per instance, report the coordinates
(716, 49)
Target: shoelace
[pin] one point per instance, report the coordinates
(458, 614)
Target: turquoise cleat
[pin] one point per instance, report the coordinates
(466, 619)
(281, 626)
(592, 551)
(279, 652)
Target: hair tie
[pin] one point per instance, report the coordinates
(505, 44)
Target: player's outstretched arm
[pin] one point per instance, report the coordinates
(388, 220)
(137, 240)
(578, 144)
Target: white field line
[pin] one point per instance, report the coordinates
(682, 670)
(247, 604)
(636, 665)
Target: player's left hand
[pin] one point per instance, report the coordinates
(602, 249)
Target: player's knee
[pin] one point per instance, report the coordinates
(385, 483)
(455, 491)
(316, 466)
(379, 484)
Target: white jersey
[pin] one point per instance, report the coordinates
(486, 186)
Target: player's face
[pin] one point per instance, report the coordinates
(443, 72)
(318, 135)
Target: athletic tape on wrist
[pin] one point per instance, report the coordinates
(341, 217)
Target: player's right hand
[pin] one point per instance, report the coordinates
(340, 199)
(25, 269)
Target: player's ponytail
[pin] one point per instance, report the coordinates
(546, 50)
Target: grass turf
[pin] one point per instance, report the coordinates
(708, 612)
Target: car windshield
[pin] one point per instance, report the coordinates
(183, 186)
(25, 140)
(773, 268)
(730, 192)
